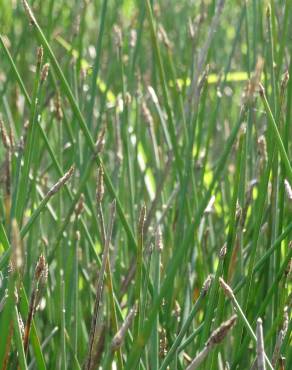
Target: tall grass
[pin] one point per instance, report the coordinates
(177, 115)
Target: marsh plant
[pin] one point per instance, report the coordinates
(146, 182)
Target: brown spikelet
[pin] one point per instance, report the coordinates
(253, 83)
(79, 206)
(284, 81)
(40, 276)
(146, 114)
(58, 107)
(215, 338)
(100, 142)
(4, 135)
(220, 333)
(262, 148)
(40, 54)
(62, 181)
(41, 268)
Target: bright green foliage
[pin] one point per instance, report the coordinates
(183, 107)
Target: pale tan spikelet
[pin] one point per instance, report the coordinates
(206, 285)
(17, 256)
(117, 35)
(29, 12)
(45, 72)
(288, 189)
(121, 334)
(227, 290)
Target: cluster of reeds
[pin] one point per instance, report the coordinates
(146, 182)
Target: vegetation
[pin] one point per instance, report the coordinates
(146, 178)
